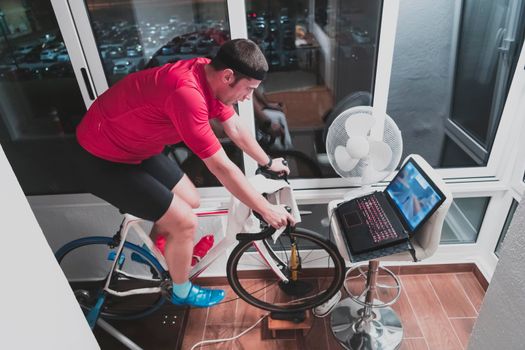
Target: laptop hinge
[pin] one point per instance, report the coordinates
(412, 251)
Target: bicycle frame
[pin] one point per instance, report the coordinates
(132, 222)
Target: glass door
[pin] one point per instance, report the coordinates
(41, 101)
(489, 34)
(124, 37)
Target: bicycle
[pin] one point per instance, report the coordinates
(300, 270)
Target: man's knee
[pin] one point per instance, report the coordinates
(194, 200)
(178, 221)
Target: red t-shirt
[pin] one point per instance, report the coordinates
(143, 112)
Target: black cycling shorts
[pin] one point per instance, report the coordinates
(143, 190)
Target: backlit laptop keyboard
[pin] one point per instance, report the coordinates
(378, 224)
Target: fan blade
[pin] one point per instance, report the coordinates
(343, 159)
(380, 155)
(359, 124)
(357, 147)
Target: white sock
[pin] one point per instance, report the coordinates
(182, 290)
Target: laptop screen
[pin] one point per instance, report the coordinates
(414, 195)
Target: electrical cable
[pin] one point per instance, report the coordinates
(213, 341)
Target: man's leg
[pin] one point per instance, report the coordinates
(185, 189)
(178, 225)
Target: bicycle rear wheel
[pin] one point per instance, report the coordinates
(312, 264)
(87, 262)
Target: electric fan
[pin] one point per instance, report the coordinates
(362, 146)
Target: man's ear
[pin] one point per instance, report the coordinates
(228, 76)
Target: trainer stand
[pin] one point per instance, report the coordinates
(117, 335)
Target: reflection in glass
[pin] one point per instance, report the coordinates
(132, 36)
(40, 102)
(505, 228)
(433, 94)
(322, 60)
(464, 220)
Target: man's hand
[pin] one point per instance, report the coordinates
(280, 166)
(277, 216)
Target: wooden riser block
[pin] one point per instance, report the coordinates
(280, 325)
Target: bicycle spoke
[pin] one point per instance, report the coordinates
(315, 276)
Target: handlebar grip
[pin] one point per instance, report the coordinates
(267, 173)
(259, 216)
(267, 232)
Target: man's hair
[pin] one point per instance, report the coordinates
(244, 57)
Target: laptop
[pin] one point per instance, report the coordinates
(391, 217)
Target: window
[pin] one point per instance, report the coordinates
(463, 220)
(133, 36)
(40, 101)
(438, 98)
(320, 64)
(506, 226)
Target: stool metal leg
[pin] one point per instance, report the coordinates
(382, 330)
(360, 326)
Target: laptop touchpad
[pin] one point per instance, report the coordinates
(353, 219)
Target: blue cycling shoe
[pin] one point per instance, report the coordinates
(200, 297)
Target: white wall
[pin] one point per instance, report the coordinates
(37, 308)
(500, 322)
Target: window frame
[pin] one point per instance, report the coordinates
(501, 178)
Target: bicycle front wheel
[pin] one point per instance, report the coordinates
(87, 262)
(312, 264)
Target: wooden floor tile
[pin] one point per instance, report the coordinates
(219, 331)
(414, 344)
(472, 288)
(452, 296)
(402, 308)
(195, 327)
(431, 317)
(331, 340)
(427, 308)
(463, 328)
(223, 313)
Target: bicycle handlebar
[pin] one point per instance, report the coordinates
(267, 232)
(273, 175)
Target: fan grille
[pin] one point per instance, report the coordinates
(337, 136)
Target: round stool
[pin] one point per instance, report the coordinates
(363, 321)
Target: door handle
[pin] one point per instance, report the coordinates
(87, 82)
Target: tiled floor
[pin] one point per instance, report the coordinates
(437, 310)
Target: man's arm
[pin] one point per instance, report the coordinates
(236, 183)
(242, 137)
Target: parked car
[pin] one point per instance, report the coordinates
(47, 37)
(123, 67)
(187, 48)
(48, 55)
(62, 56)
(58, 70)
(25, 49)
(204, 46)
(167, 50)
(133, 51)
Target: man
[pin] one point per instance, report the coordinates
(127, 127)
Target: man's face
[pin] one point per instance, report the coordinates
(237, 90)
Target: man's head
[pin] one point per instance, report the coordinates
(238, 69)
